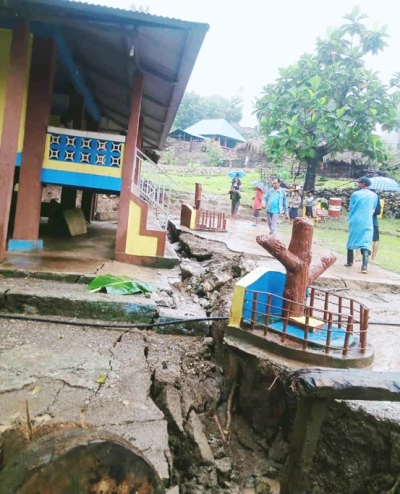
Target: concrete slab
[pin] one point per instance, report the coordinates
(55, 370)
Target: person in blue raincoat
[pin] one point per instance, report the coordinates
(363, 203)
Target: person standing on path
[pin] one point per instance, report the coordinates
(275, 204)
(295, 202)
(375, 237)
(235, 197)
(363, 203)
(257, 204)
(309, 202)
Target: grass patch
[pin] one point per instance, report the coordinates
(334, 236)
(218, 185)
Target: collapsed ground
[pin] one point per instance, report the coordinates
(212, 418)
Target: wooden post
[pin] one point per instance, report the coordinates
(306, 429)
(197, 196)
(40, 94)
(129, 164)
(11, 122)
(300, 271)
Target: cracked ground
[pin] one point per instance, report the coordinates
(91, 377)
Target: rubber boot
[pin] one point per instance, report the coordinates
(365, 253)
(350, 257)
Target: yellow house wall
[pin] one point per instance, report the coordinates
(136, 244)
(5, 49)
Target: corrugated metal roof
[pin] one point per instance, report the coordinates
(134, 13)
(99, 40)
(215, 126)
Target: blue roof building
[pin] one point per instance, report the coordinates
(217, 129)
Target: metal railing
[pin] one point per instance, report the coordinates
(265, 311)
(154, 185)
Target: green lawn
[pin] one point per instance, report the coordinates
(217, 185)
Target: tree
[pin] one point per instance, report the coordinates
(195, 107)
(329, 101)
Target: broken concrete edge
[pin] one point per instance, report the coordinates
(307, 357)
(129, 312)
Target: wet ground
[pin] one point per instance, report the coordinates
(57, 367)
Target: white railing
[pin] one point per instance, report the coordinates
(155, 186)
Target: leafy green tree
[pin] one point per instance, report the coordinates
(329, 101)
(214, 153)
(195, 107)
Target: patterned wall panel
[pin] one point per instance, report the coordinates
(85, 148)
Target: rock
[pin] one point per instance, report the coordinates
(262, 485)
(190, 268)
(279, 449)
(271, 470)
(176, 246)
(195, 428)
(174, 490)
(208, 341)
(215, 280)
(172, 400)
(224, 467)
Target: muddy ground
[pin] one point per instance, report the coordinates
(224, 411)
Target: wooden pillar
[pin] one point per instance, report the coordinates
(12, 121)
(77, 110)
(306, 428)
(89, 205)
(68, 198)
(129, 163)
(89, 198)
(136, 173)
(40, 94)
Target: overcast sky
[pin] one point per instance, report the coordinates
(249, 40)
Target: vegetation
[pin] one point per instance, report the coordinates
(214, 153)
(195, 107)
(329, 101)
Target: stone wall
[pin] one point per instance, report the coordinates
(392, 200)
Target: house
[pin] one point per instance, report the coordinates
(85, 92)
(217, 129)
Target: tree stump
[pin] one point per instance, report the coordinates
(65, 458)
(301, 271)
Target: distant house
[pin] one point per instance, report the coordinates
(216, 129)
(184, 135)
(347, 164)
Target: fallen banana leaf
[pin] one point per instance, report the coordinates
(120, 285)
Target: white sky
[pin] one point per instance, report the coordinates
(249, 40)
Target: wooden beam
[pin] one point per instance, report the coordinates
(155, 101)
(152, 117)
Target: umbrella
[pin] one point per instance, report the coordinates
(259, 184)
(384, 184)
(240, 173)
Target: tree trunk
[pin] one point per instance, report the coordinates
(300, 272)
(312, 166)
(311, 173)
